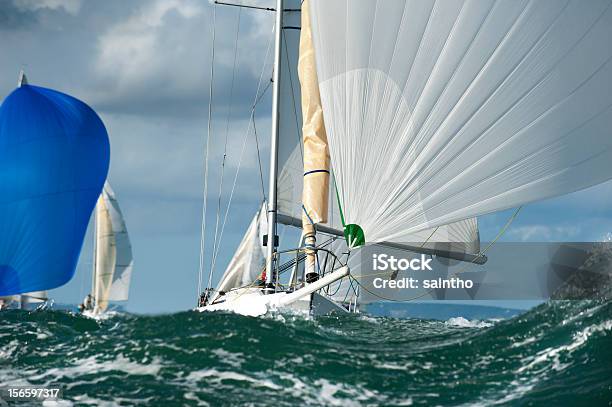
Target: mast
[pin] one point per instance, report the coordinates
(274, 150)
(95, 251)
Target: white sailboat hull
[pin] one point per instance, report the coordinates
(251, 301)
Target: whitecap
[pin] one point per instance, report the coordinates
(57, 403)
(92, 365)
(230, 358)
(216, 376)
(553, 354)
(466, 323)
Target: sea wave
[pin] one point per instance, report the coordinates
(556, 354)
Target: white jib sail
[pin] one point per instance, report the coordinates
(249, 259)
(114, 259)
(438, 111)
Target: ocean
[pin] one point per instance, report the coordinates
(557, 354)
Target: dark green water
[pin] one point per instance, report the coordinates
(555, 355)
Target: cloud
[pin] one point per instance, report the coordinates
(156, 60)
(69, 6)
(130, 50)
(139, 57)
(544, 233)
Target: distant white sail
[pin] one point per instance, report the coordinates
(113, 255)
(248, 260)
(438, 111)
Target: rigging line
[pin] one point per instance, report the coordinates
(263, 189)
(229, 114)
(257, 99)
(339, 204)
(229, 203)
(245, 6)
(430, 236)
(263, 92)
(206, 156)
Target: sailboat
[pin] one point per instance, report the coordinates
(26, 301)
(54, 157)
(112, 256)
(424, 115)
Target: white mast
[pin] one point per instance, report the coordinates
(274, 149)
(95, 252)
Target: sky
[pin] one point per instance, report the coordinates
(144, 66)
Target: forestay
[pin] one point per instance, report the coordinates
(438, 111)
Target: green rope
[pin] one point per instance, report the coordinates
(353, 233)
(338, 199)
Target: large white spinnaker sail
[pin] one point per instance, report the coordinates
(247, 263)
(438, 111)
(458, 237)
(462, 236)
(113, 252)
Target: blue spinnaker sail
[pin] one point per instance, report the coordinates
(54, 158)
